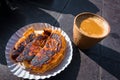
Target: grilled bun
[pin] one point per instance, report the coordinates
(41, 53)
(56, 58)
(19, 46)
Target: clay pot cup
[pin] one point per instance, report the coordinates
(82, 40)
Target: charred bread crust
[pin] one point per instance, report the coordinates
(32, 48)
(21, 43)
(29, 36)
(24, 37)
(55, 60)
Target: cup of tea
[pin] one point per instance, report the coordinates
(89, 29)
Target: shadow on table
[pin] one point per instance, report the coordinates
(107, 58)
(11, 21)
(65, 10)
(12, 24)
(73, 7)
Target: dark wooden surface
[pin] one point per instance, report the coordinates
(101, 62)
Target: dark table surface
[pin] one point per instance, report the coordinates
(101, 62)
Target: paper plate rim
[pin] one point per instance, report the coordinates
(18, 70)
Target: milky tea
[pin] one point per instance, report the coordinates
(89, 29)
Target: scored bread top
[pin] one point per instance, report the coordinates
(51, 47)
(41, 50)
(24, 37)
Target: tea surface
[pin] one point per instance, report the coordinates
(90, 27)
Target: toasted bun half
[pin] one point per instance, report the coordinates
(25, 35)
(55, 60)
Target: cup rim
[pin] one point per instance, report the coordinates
(96, 16)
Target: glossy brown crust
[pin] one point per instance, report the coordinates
(21, 43)
(51, 47)
(28, 45)
(55, 60)
(32, 48)
(24, 37)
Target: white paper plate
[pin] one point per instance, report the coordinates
(19, 70)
